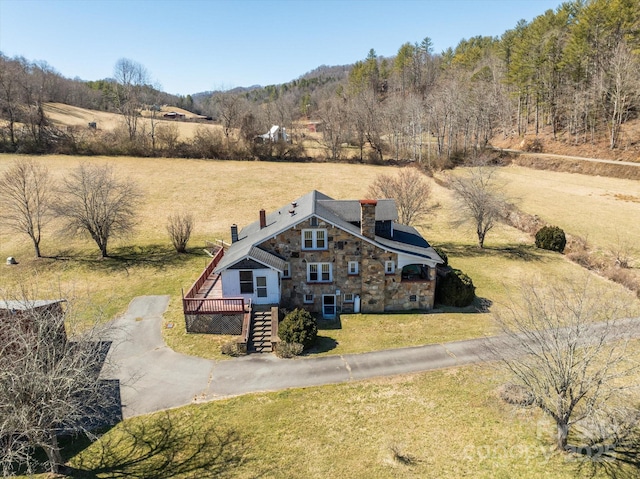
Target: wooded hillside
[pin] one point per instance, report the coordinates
(572, 75)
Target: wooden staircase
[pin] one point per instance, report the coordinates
(260, 336)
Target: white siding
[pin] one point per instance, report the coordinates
(231, 286)
(231, 283)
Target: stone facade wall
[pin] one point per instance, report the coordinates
(378, 291)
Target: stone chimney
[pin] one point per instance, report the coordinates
(368, 218)
(234, 233)
(263, 219)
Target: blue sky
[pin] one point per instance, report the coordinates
(198, 45)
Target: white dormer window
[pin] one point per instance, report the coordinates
(389, 267)
(314, 239)
(353, 268)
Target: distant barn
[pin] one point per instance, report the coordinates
(173, 115)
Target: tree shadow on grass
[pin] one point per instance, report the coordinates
(322, 345)
(613, 450)
(163, 446)
(122, 258)
(514, 251)
(479, 305)
(618, 461)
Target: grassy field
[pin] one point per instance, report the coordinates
(220, 193)
(603, 210)
(439, 424)
(66, 115)
(434, 425)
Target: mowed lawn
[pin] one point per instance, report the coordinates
(443, 424)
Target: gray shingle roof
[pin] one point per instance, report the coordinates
(339, 213)
(349, 210)
(24, 305)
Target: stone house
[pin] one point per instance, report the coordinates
(330, 256)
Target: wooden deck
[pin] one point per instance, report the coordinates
(211, 288)
(205, 296)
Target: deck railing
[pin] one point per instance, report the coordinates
(193, 305)
(215, 305)
(205, 274)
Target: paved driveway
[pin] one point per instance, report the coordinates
(154, 377)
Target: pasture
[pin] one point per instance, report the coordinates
(63, 116)
(439, 424)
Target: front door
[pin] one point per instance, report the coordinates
(328, 306)
(261, 289)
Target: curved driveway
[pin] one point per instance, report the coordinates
(154, 377)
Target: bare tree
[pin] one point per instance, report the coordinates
(25, 199)
(370, 108)
(479, 199)
(131, 77)
(565, 345)
(10, 95)
(409, 189)
(49, 382)
(92, 200)
(623, 90)
(230, 111)
(333, 114)
(180, 227)
(167, 136)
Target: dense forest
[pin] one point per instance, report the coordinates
(573, 73)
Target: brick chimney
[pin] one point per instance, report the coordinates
(234, 233)
(263, 219)
(368, 218)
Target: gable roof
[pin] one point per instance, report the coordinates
(339, 213)
(349, 210)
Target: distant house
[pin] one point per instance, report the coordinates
(275, 134)
(172, 115)
(314, 126)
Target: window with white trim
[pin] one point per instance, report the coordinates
(353, 267)
(246, 282)
(319, 272)
(314, 239)
(286, 272)
(349, 297)
(308, 299)
(389, 267)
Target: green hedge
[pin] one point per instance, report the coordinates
(551, 238)
(455, 289)
(298, 327)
